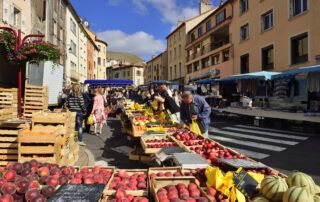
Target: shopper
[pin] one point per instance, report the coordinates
(195, 107)
(98, 110)
(164, 87)
(75, 103)
(168, 104)
(176, 96)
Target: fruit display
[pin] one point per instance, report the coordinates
(298, 187)
(164, 172)
(161, 145)
(185, 135)
(35, 181)
(153, 143)
(215, 195)
(122, 196)
(130, 180)
(179, 190)
(199, 174)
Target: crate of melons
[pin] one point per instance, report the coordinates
(134, 182)
(177, 189)
(153, 143)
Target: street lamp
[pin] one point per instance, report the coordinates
(19, 42)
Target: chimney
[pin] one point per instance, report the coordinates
(205, 5)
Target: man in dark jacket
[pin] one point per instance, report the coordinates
(195, 107)
(169, 104)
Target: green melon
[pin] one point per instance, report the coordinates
(273, 188)
(260, 199)
(316, 198)
(301, 179)
(297, 194)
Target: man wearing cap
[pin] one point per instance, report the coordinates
(195, 107)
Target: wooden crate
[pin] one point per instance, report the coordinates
(7, 114)
(35, 99)
(8, 145)
(148, 150)
(9, 99)
(108, 192)
(38, 144)
(60, 120)
(158, 183)
(146, 158)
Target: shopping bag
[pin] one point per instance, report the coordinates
(214, 177)
(162, 117)
(91, 120)
(194, 127)
(155, 104)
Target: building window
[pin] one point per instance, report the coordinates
(179, 50)
(170, 55)
(124, 74)
(73, 47)
(244, 32)
(226, 55)
(171, 73)
(138, 73)
(16, 18)
(199, 31)
(205, 63)
(267, 54)
(189, 69)
(299, 49)
(73, 27)
(128, 73)
(298, 6)
(244, 6)
(215, 59)
(196, 66)
(244, 64)
(221, 17)
(99, 61)
(116, 75)
(175, 53)
(180, 70)
(192, 37)
(208, 25)
(267, 20)
(175, 71)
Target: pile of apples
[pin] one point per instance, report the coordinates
(164, 140)
(122, 196)
(215, 195)
(159, 143)
(36, 182)
(165, 174)
(199, 174)
(123, 181)
(186, 135)
(180, 192)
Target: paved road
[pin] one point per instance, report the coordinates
(280, 149)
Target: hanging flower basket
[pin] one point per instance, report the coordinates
(31, 51)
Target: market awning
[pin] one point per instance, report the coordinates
(207, 81)
(293, 72)
(108, 82)
(255, 75)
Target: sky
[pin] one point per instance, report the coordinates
(136, 26)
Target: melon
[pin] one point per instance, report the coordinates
(260, 199)
(273, 187)
(297, 194)
(316, 198)
(300, 179)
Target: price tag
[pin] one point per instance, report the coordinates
(245, 183)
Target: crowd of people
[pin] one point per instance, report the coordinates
(97, 103)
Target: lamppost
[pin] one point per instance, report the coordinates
(19, 42)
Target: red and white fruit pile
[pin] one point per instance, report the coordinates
(122, 180)
(171, 193)
(199, 174)
(95, 175)
(186, 135)
(161, 145)
(122, 196)
(215, 196)
(164, 140)
(165, 174)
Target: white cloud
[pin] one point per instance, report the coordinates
(139, 43)
(171, 12)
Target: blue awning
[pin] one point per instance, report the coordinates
(207, 81)
(255, 75)
(105, 83)
(293, 72)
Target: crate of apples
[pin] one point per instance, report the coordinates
(199, 174)
(122, 196)
(156, 172)
(215, 195)
(175, 189)
(134, 182)
(154, 145)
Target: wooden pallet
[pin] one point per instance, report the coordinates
(8, 145)
(8, 98)
(7, 114)
(38, 144)
(62, 120)
(35, 99)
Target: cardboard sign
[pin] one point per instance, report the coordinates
(242, 163)
(245, 183)
(78, 193)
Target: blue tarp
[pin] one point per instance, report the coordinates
(255, 75)
(108, 82)
(161, 82)
(293, 72)
(207, 81)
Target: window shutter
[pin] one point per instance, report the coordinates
(291, 8)
(23, 24)
(5, 6)
(11, 21)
